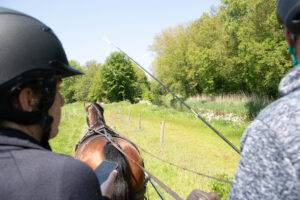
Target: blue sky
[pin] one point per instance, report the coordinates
(132, 24)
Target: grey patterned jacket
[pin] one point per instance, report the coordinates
(269, 166)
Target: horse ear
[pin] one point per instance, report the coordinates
(100, 107)
(85, 106)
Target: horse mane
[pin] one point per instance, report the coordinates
(124, 173)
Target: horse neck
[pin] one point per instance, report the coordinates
(98, 123)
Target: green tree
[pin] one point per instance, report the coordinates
(171, 64)
(144, 87)
(238, 47)
(96, 92)
(83, 85)
(68, 87)
(119, 80)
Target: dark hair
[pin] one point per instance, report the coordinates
(10, 99)
(37, 88)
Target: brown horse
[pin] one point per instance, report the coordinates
(94, 147)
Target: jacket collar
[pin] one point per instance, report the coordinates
(13, 137)
(290, 82)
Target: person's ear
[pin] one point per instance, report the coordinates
(27, 100)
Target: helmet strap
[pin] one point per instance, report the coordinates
(45, 122)
(293, 55)
(291, 39)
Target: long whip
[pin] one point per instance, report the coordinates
(197, 115)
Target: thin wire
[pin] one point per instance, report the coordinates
(198, 116)
(155, 188)
(186, 169)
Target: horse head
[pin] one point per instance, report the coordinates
(95, 115)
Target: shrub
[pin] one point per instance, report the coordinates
(222, 189)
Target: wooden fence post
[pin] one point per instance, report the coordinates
(66, 113)
(140, 122)
(162, 132)
(129, 115)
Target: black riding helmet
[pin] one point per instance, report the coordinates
(29, 52)
(27, 45)
(288, 12)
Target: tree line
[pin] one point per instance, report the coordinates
(238, 47)
(118, 79)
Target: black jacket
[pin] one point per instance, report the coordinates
(30, 172)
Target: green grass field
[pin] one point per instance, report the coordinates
(188, 142)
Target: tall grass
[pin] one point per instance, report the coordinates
(242, 105)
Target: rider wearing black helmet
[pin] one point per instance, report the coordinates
(32, 64)
(269, 166)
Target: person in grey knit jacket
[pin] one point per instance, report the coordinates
(269, 166)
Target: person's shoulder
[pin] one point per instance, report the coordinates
(69, 164)
(62, 176)
(73, 170)
(283, 113)
(64, 159)
(284, 106)
(55, 163)
(52, 159)
(78, 180)
(280, 120)
(75, 166)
